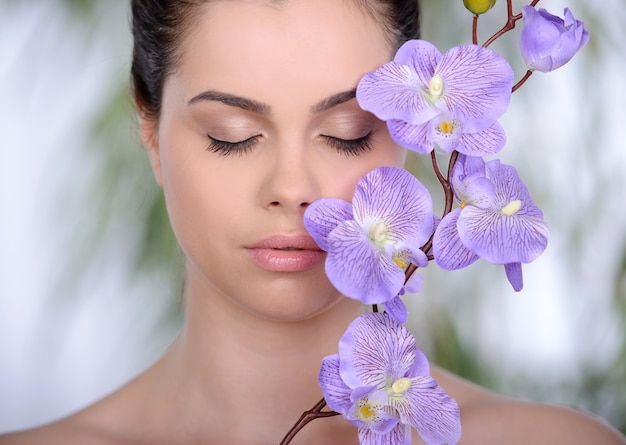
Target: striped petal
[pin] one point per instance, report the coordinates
(336, 392)
(360, 270)
(500, 238)
(323, 216)
(375, 349)
(395, 197)
(482, 143)
(399, 435)
(416, 137)
(477, 83)
(449, 251)
(394, 91)
(428, 408)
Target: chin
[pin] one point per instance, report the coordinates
(299, 305)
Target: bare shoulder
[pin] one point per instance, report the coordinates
(502, 420)
(67, 431)
(134, 414)
(102, 423)
(489, 418)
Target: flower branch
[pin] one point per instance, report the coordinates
(475, 30)
(307, 417)
(521, 81)
(508, 26)
(380, 381)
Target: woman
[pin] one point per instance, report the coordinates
(248, 114)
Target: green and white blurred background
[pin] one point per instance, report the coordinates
(89, 289)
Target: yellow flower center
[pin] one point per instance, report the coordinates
(512, 207)
(366, 411)
(435, 87)
(401, 386)
(399, 261)
(446, 127)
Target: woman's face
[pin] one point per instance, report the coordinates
(259, 121)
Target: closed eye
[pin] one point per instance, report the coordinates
(227, 148)
(351, 147)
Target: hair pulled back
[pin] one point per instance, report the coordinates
(159, 26)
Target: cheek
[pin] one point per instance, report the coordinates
(385, 152)
(199, 197)
(390, 153)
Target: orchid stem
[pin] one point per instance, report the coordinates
(449, 193)
(521, 81)
(449, 196)
(509, 25)
(445, 181)
(306, 417)
(440, 177)
(475, 30)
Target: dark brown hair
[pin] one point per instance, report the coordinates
(158, 27)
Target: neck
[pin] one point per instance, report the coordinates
(253, 373)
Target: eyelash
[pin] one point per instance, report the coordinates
(348, 147)
(226, 148)
(351, 147)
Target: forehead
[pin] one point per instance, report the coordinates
(277, 51)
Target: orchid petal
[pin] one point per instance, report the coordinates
(470, 183)
(501, 236)
(476, 190)
(468, 166)
(374, 349)
(427, 407)
(482, 143)
(513, 273)
(448, 250)
(400, 89)
(336, 392)
(399, 435)
(414, 284)
(371, 393)
(415, 137)
(396, 309)
(509, 187)
(548, 42)
(420, 367)
(358, 269)
(394, 196)
(395, 92)
(422, 55)
(446, 132)
(477, 83)
(502, 239)
(373, 412)
(323, 215)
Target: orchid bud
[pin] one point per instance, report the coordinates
(547, 41)
(479, 6)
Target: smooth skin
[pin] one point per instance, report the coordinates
(276, 81)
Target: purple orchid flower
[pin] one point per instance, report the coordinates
(451, 101)
(371, 241)
(548, 42)
(380, 382)
(497, 220)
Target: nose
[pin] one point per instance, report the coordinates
(290, 182)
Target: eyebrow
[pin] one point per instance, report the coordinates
(232, 100)
(264, 109)
(335, 99)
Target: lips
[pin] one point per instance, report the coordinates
(282, 253)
